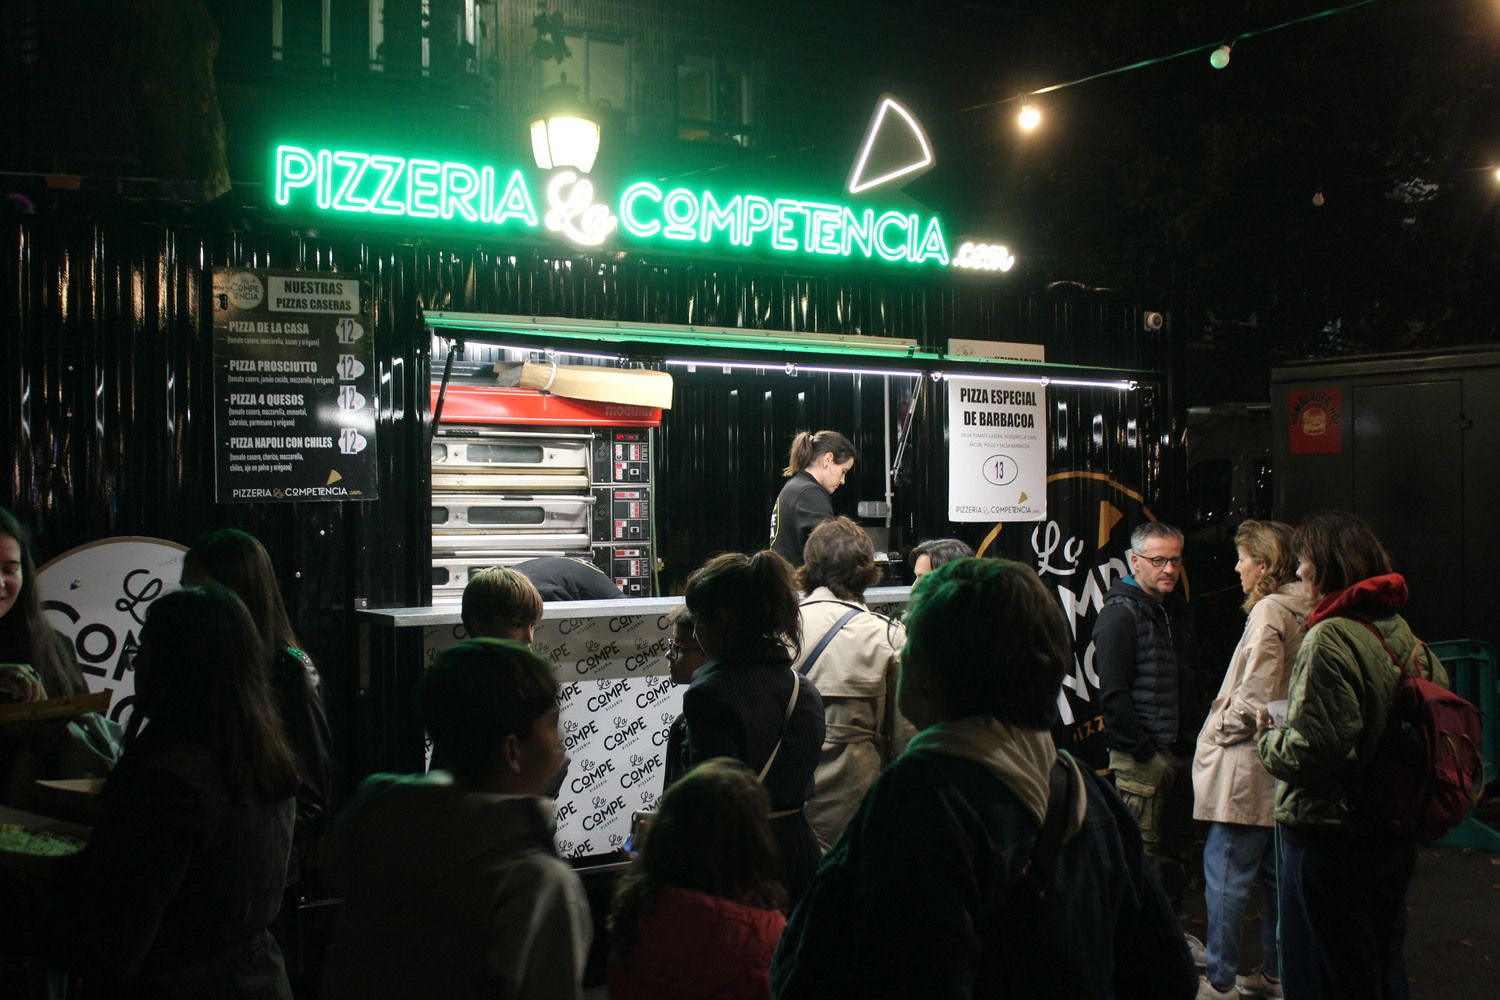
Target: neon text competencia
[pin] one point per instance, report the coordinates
(356, 182)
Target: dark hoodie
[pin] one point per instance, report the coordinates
(1144, 657)
(452, 893)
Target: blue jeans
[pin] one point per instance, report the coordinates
(1233, 857)
(1343, 915)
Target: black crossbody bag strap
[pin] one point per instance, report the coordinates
(827, 638)
(1036, 874)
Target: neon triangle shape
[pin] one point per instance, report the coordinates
(891, 114)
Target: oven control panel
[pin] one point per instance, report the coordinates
(622, 456)
(628, 565)
(622, 514)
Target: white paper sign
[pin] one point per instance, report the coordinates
(997, 451)
(999, 349)
(97, 594)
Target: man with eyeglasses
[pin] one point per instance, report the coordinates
(1144, 652)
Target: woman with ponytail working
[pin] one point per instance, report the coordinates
(817, 466)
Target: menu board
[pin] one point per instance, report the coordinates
(294, 387)
(997, 451)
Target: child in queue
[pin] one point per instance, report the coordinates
(452, 885)
(704, 885)
(501, 603)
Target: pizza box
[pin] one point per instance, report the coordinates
(634, 386)
(55, 708)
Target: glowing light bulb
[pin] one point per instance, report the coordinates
(1029, 118)
(1318, 198)
(1220, 57)
(1497, 175)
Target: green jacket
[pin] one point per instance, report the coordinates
(1342, 685)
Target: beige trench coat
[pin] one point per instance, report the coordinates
(1229, 783)
(856, 675)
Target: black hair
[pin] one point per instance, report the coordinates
(237, 560)
(756, 592)
(203, 675)
(712, 833)
(941, 550)
(25, 636)
(478, 692)
(807, 447)
(1342, 549)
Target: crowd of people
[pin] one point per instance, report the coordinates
(854, 806)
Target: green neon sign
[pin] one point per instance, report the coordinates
(355, 182)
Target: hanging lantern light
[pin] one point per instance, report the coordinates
(565, 133)
(1030, 116)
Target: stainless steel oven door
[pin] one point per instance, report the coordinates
(473, 450)
(518, 482)
(508, 543)
(513, 513)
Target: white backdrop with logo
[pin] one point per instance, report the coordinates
(617, 705)
(97, 594)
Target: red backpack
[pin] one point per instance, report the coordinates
(1427, 773)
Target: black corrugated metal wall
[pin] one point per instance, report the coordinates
(107, 379)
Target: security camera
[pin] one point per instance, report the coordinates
(1154, 322)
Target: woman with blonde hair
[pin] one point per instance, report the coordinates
(1231, 790)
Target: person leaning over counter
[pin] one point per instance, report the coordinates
(816, 466)
(560, 578)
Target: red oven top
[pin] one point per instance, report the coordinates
(486, 404)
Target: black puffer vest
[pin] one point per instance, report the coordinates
(1163, 685)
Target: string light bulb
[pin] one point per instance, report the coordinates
(1029, 118)
(1318, 199)
(1220, 57)
(1497, 175)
